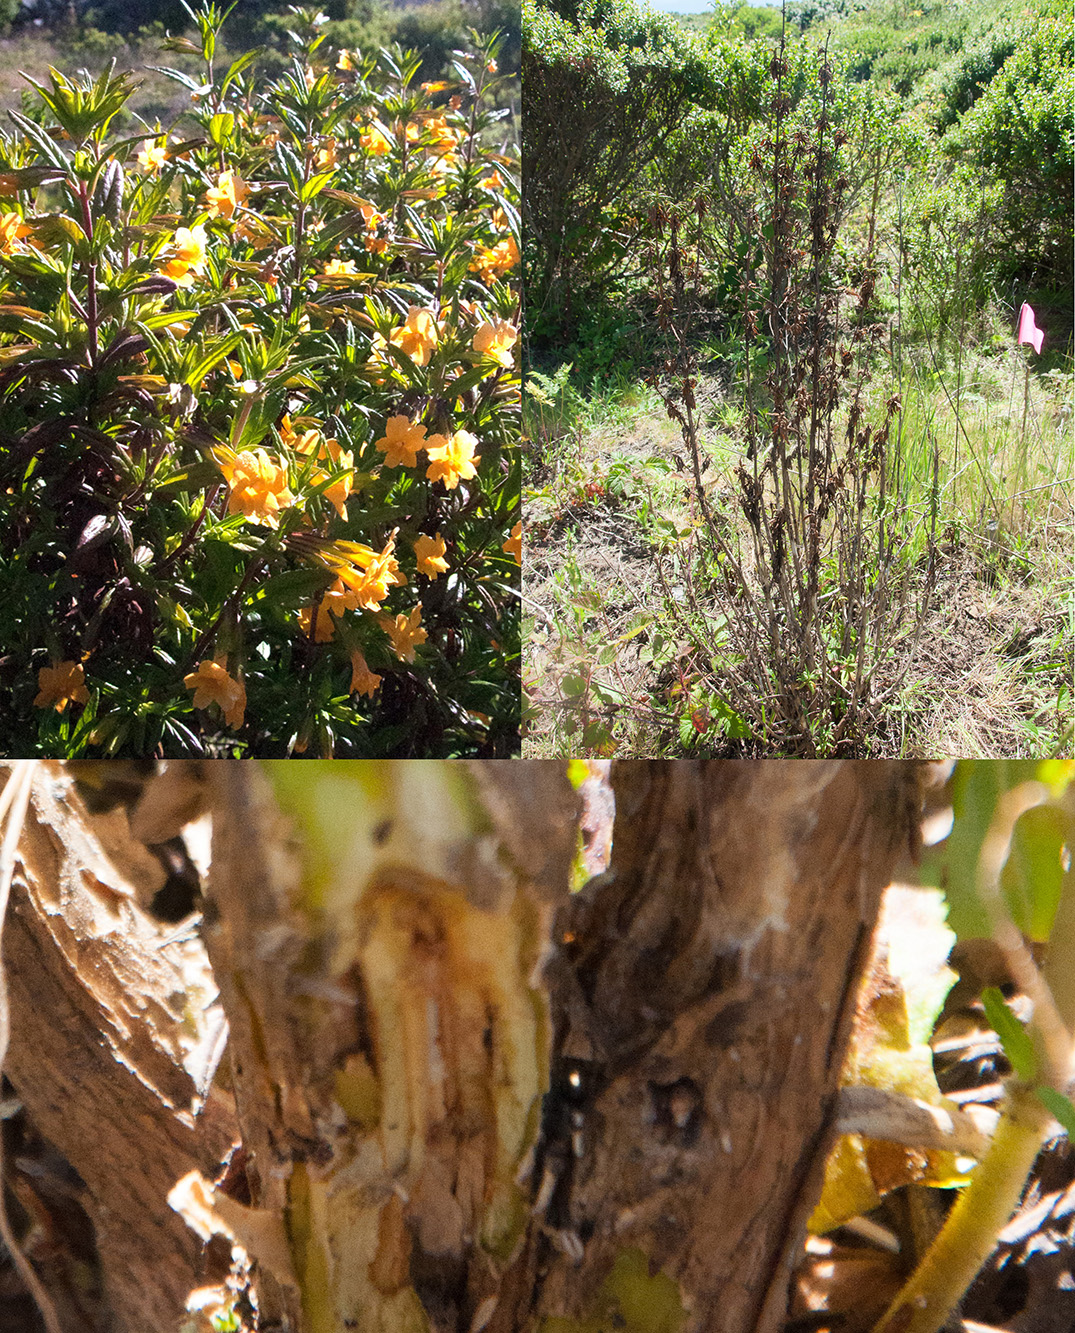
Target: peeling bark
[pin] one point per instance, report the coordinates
(109, 1048)
(405, 975)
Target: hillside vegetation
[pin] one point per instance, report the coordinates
(792, 485)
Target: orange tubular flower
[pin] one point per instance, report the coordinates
(341, 488)
(374, 141)
(495, 338)
(228, 194)
(60, 685)
(513, 545)
(363, 680)
(418, 336)
(304, 442)
(258, 484)
(12, 230)
(429, 552)
(401, 441)
(364, 575)
(495, 262)
(212, 685)
(405, 632)
(189, 245)
(154, 155)
(336, 268)
(494, 181)
(453, 460)
(326, 626)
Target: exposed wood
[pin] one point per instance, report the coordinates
(389, 1042)
(111, 1045)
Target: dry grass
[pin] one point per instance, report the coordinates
(603, 586)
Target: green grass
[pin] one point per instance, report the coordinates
(626, 646)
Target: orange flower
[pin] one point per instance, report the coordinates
(418, 336)
(494, 181)
(154, 155)
(305, 443)
(12, 229)
(401, 441)
(376, 245)
(495, 262)
(339, 268)
(258, 484)
(514, 544)
(60, 685)
(344, 61)
(405, 632)
(212, 685)
(228, 193)
(326, 626)
(429, 552)
(364, 575)
(375, 141)
(453, 460)
(326, 157)
(495, 338)
(363, 680)
(341, 488)
(189, 245)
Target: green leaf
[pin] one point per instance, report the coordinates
(976, 787)
(237, 66)
(43, 142)
(314, 186)
(1061, 1107)
(213, 357)
(1034, 873)
(220, 127)
(1012, 1034)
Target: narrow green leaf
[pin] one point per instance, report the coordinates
(1034, 873)
(237, 66)
(1012, 1034)
(1061, 1107)
(314, 186)
(213, 357)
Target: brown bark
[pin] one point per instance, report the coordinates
(708, 984)
(388, 1042)
(103, 1047)
(701, 997)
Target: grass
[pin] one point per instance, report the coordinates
(616, 598)
(158, 98)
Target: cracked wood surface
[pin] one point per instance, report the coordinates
(710, 979)
(105, 1045)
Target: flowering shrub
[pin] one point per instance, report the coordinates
(259, 414)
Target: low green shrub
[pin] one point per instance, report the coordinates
(259, 415)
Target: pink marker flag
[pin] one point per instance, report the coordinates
(1028, 330)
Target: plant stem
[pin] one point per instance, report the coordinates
(91, 272)
(970, 1233)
